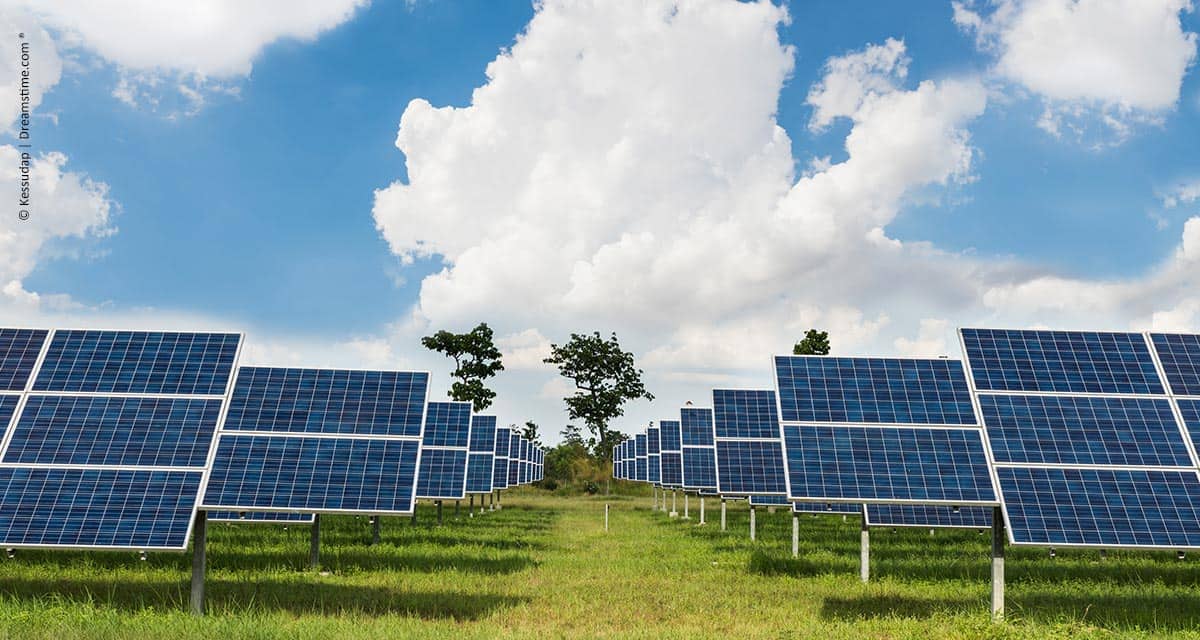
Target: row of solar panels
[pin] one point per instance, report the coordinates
(1083, 438)
(114, 439)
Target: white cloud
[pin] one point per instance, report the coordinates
(170, 55)
(1185, 192)
(43, 71)
(852, 79)
(931, 339)
(1095, 62)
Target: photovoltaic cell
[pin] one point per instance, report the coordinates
(873, 390)
(97, 508)
(1180, 358)
(746, 467)
(328, 401)
(745, 413)
(138, 362)
(1190, 410)
(669, 435)
(641, 445)
(653, 445)
(261, 517)
(19, 349)
(8, 406)
(1060, 361)
(653, 461)
(672, 469)
(479, 473)
(1083, 430)
(500, 460)
(918, 465)
(117, 431)
(483, 434)
(923, 515)
(1102, 507)
(295, 473)
(699, 468)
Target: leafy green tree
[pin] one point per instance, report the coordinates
(605, 378)
(815, 343)
(530, 432)
(476, 359)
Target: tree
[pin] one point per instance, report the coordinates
(605, 379)
(815, 343)
(572, 435)
(530, 432)
(476, 359)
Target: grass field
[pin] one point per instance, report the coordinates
(545, 567)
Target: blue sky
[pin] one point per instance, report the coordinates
(617, 172)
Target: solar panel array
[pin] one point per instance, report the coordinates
(1084, 436)
(443, 469)
(319, 441)
(749, 452)
(108, 434)
(481, 454)
(886, 430)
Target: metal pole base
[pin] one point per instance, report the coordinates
(723, 514)
(686, 507)
(864, 565)
(375, 530)
(701, 511)
(795, 536)
(674, 513)
(753, 524)
(439, 511)
(199, 540)
(997, 564)
(314, 543)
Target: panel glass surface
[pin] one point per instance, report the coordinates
(1060, 361)
(745, 413)
(1180, 358)
(1083, 430)
(924, 515)
(768, 501)
(313, 473)
(672, 469)
(261, 517)
(641, 445)
(479, 473)
(696, 426)
(699, 468)
(483, 434)
(887, 463)
(750, 467)
(328, 401)
(873, 390)
(1102, 507)
(840, 508)
(19, 349)
(140, 362)
(653, 444)
(653, 469)
(669, 435)
(447, 424)
(8, 406)
(442, 475)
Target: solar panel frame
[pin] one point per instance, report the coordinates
(481, 452)
(920, 516)
(1178, 355)
(746, 432)
(368, 437)
(500, 459)
(699, 450)
(450, 444)
(671, 453)
(829, 508)
(262, 517)
(148, 471)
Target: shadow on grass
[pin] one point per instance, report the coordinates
(381, 558)
(311, 596)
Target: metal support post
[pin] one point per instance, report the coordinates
(997, 564)
(199, 539)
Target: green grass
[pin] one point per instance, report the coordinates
(545, 567)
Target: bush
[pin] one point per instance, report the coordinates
(549, 484)
(591, 488)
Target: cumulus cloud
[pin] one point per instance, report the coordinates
(1111, 62)
(1183, 193)
(173, 54)
(44, 70)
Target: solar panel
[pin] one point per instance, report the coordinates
(749, 452)
(1076, 464)
(894, 431)
(862, 463)
(1180, 358)
(482, 448)
(261, 517)
(100, 470)
(671, 458)
(140, 362)
(928, 516)
(653, 461)
(19, 350)
(839, 508)
(1060, 361)
(514, 459)
(294, 442)
(873, 390)
(443, 471)
(769, 501)
(500, 461)
(699, 452)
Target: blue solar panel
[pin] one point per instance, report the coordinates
(1102, 507)
(261, 517)
(312, 474)
(447, 424)
(639, 470)
(839, 508)
(1190, 410)
(672, 469)
(1060, 361)
(514, 468)
(125, 431)
(750, 467)
(500, 461)
(640, 440)
(873, 390)
(696, 426)
(653, 469)
(887, 463)
(653, 445)
(328, 401)
(669, 435)
(479, 473)
(483, 434)
(8, 406)
(149, 362)
(1180, 358)
(1083, 430)
(699, 468)
(744, 413)
(503, 440)
(925, 516)
(19, 349)
(768, 501)
(97, 508)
